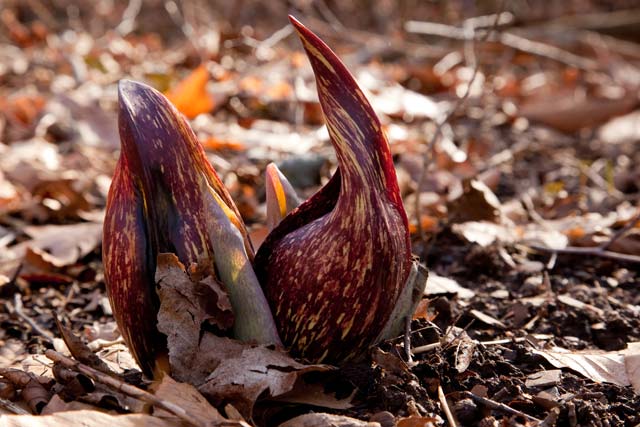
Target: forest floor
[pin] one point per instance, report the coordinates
(519, 131)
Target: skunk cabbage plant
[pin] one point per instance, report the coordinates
(166, 197)
(334, 268)
(329, 278)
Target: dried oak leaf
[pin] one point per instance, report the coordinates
(187, 397)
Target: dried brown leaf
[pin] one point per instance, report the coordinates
(248, 372)
(185, 307)
(61, 245)
(327, 420)
(185, 396)
(617, 367)
(85, 419)
(476, 203)
(80, 351)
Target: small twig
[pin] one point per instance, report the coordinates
(427, 347)
(407, 339)
(12, 407)
(428, 154)
(592, 251)
(265, 46)
(445, 407)
(492, 404)
(133, 391)
(187, 29)
(508, 39)
(129, 16)
(618, 234)
(551, 419)
(17, 309)
(433, 346)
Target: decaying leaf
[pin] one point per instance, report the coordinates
(243, 377)
(417, 421)
(326, 420)
(61, 245)
(80, 351)
(485, 233)
(224, 370)
(190, 96)
(186, 307)
(86, 419)
(444, 285)
(185, 396)
(617, 367)
(572, 111)
(476, 203)
(314, 394)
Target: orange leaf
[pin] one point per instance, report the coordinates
(190, 96)
(213, 143)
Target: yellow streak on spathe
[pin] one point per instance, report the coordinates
(280, 197)
(316, 53)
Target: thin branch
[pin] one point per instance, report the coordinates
(445, 407)
(433, 346)
(17, 309)
(135, 392)
(13, 407)
(591, 251)
(497, 406)
(407, 340)
(632, 223)
(428, 154)
(508, 39)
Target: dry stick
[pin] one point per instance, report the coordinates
(508, 39)
(428, 154)
(599, 251)
(492, 404)
(433, 346)
(593, 251)
(379, 42)
(12, 407)
(632, 223)
(407, 339)
(17, 308)
(445, 407)
(133, 391)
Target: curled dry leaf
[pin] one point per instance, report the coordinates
(616, 367)
(437, 285)
(476, 203)
(187, 306)
(80, 351)
(485, 233)
(243, 377)
(60, 245)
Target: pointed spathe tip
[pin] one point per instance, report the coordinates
(131, 93)
(130, 88)
(294, 21)
(304, 33)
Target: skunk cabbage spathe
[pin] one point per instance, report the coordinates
(166, 197)
(334, 268)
